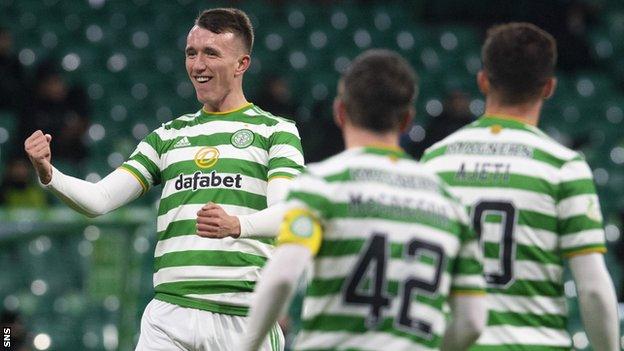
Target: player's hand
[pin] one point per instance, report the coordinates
(214, 222)
(37, 147)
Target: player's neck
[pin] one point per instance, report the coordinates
(528, 113)
(356, 137)
(231, 102)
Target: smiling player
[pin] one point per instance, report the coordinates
(230, 152)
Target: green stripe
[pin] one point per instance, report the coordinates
(286, 138)
(223, 165)
(514, 181)
(524, 252)
(189, 227)
(387, 152)
(154, 140)
(205, 287)
(575, 224)
(283, 174)
(527, 320)
(530, 288)
(224, 138)
(430, 155)
(367, 210)
(219, 196)
(355, 324)
(189, 302)
(208, 258)
(595, 246)
(466, 266)
(138, 174)
(576, 187)
(519, 347)
(151, 167)
(537, 220)
(279, 162)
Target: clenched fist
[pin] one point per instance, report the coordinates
(214, 222)
(37, 148)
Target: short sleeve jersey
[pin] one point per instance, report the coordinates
(534, 203)
(390, 245)
(227, 158)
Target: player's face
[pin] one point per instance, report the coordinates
(213, 64)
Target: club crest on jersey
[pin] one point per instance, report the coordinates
(242, 138)
(206, 157)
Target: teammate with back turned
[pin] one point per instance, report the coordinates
(230, 152)
(389, 246)
(533, 203)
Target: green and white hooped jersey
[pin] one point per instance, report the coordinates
(227, 158)
(390, 244)
(534, 203)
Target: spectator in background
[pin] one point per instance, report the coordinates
(12, 84)
(60, 110)
(18, 188)
(275, 97)
(455, 114)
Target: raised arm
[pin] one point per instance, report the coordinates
(90, 199)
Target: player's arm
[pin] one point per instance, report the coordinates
(469, 316)
(597, 300)
(299, 240)
(91, 199)
(467, 300)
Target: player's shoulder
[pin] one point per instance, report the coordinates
(279, 122)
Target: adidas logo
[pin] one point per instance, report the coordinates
(182, 143)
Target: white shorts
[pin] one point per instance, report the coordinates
(168, 327)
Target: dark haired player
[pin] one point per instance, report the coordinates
(230, 152)
(533, 203)
(388, 245)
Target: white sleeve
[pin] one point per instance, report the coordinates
(95, 199)
(274, 291)
(267, 221)
(469, 319)
(597, 300)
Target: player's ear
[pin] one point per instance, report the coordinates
(549, 88)
(407, 119)
(339, 112)
(483, 82)
(243, 64)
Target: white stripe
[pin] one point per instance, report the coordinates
(528, 270)
(147, 150)
(213, 127)
(237, 299)
(522, 199)
(509, 135)
(544, 239)
(334, 305)
(252, 154)
(249, 184)
(576, 205)
(521, 304)
(373, 341)
(292, 171)
(520, 166)
(195, 242)
(469, 280)
(397, 232)
(189, 273)
(497, 335)
(576, 170)
(586, 237)
(185, 212)
(288, 151)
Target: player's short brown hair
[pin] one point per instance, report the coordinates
(379, 88)
(518, 58)
(228, 20)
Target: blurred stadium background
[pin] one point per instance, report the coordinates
(82, 284)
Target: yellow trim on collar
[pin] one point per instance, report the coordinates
(385, 147)
(226, 112)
